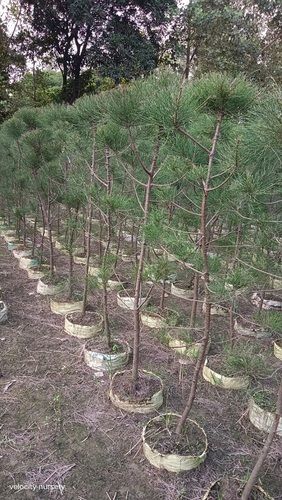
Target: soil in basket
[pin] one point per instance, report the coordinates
(241, 362)
(266, 399)
(87, 319)
(161, 436)
(219, 365)
(146, 387)
(75, 297)
(52, 280)
(101, 345)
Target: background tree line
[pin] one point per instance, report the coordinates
(61, 50)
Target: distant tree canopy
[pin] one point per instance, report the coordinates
(10, 61)
(121, 38)
(219, 35)
(76, 47)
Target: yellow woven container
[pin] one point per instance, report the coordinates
(144, 407)
(277, 284)
(127, 302)
(262, 419)
(60, 246)
(153, 320)
(83, 331)
(36, 274)
(182, 293)
(109, 363)
(190, 350)
(277, 350)
(222, 381)
(67, 307)
(46, 289)
(250, 330)
(93, 271)
(216, 310)
(28, 262)
(18, 254)
(173, 462)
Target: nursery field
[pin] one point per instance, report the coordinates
(141, 304)
(59, 428)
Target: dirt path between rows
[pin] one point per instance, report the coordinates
(61, 437)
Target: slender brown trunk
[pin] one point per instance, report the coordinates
(106, 252)
(24, 230)
(43, 235)
(18, 228)
(84, 232)
(89, 227)
(100, 248)
(70, 250)
(88, 249)
(264, 452)
(261, 303)
(207, 298)
(203, 353)
(34, 237)
(170, 212)
(49, 230)
(195, 301)
(138, 282)
(231, 323)
(118, 244)
(58, 219)
(162, 296)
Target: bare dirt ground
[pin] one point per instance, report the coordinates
(62, 438)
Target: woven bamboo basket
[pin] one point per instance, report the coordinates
(225, 382)
(109, 363)
(83, 331)
(144, 407)
(173, 462)
(262, 419)
(277, 350)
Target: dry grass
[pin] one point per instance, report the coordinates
(57, 424)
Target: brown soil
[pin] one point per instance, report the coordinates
(59, 427)
(217, 364)
(161, 436)
(75, 297)
(79, 254)
(184, 285)
(231, 489)
(52, 280)
(190, 336)
(146, 387)
(87, 319)
(100, 345)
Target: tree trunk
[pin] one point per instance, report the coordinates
(34, 237)
(231, 323)
(207, 298)
(24, 230)
(88, 249)
(263, 454)
(162, 296)
(195, 301)
(106, 252)
(138, 282)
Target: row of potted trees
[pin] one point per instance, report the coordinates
(178, 162)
